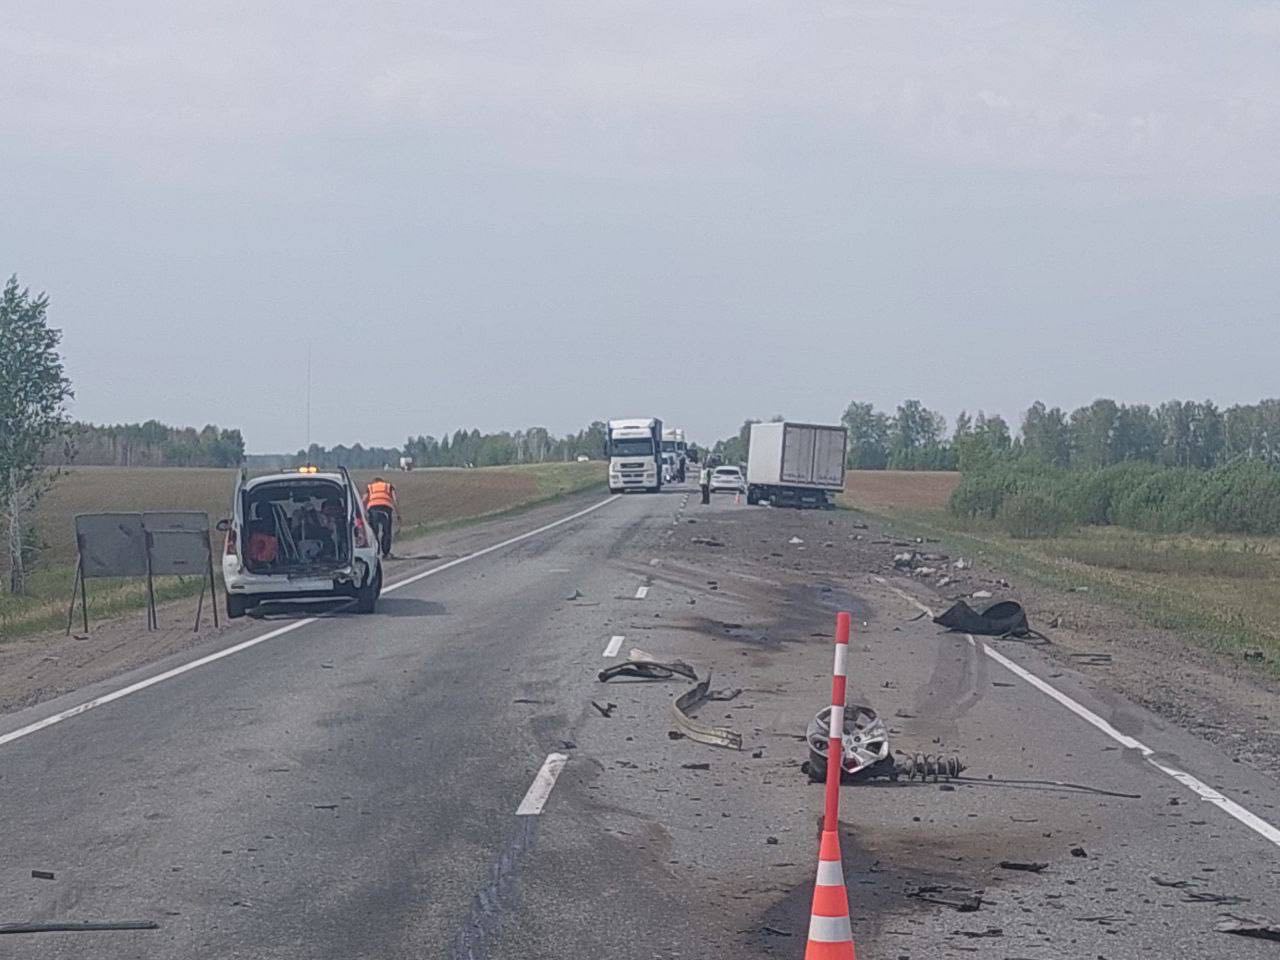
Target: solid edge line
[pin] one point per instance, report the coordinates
(615, 644)
(535, 797)
(1224, 803)
(114, 695)
(151, 681)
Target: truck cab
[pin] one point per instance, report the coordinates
(634, 450)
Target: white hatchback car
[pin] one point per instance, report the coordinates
(728, 480)
(297, 535)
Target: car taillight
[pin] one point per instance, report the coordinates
(361, 534)
(230, 548)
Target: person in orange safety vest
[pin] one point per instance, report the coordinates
(380, 501)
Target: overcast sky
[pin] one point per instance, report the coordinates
(512, 214)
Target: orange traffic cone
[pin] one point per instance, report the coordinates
(830, 937)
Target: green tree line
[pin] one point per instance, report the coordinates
(150, 444)
(1032, 499)
(1177, 433)
(532, 445)
(462, 448)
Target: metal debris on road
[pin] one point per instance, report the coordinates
(990, 932)
(78, 927)
(794, 540)
(1078, 852)
(1222, 899)
(1028, 866)
(1176, 884)
(686, 725)
(926, 766)
(1248, 927)
(647, 670)
(607, 710)
(1091, 659)
(695, 766)
(964, 901)
(41, 874)
(864, 743)
(706, 542)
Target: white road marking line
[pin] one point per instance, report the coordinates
(641, 592)
(615, 644)
(536, 796)
(114, 695)
(1196, 786)
(149, 682)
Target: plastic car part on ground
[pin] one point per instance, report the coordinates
(694, 729)
(865, 743)
(647, 670)
(1003, 619)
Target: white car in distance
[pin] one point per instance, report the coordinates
(728, 480)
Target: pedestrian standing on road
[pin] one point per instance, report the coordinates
(380, 500)
(704, 481)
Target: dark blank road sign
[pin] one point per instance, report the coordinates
(111, 545)
(179, 542)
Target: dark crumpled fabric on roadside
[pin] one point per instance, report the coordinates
(1003, 619)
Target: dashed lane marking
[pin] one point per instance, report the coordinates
(615, 644)
(641, 592)
(540, 790)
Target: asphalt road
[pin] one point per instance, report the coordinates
(349, 786)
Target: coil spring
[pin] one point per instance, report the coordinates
(927, 766)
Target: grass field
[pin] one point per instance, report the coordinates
(880, 491)
(429, 499)
(1222, 590)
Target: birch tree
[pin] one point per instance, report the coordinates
(33, 396)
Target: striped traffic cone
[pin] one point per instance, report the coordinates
(830, 937)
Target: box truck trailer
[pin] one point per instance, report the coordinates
(674, 446)
(795, 464)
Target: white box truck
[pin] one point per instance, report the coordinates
(675, 448)
(795, 464)
(634, 449)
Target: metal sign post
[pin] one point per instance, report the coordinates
(145, 546)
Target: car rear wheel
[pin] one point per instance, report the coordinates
(236, 606)
(367, 596)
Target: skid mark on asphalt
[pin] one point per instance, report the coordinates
(499, 893)
(1228, 806)
(178, 671)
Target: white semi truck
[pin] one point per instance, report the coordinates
(634, 449)
(795, 464)
(673, 445)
